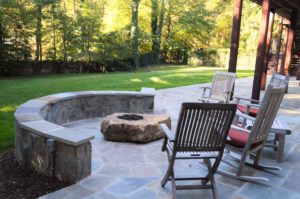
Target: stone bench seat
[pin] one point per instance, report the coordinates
(57, 132)
(45, 145)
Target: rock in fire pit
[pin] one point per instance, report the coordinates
(130, 127)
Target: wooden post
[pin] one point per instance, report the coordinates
(235, 35)
(285, 41)
(267, 52)
(290, 42)
(261, 49)
(278, 44)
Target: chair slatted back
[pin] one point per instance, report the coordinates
(222, 85)
(278, 80)
(267, 113)
(203, 126)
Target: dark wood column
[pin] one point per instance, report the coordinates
(285, 41)
(267, 52)
(235, 35)
(261, 49)
(278, 44)
(290, 42)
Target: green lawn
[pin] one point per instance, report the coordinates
(15, 91)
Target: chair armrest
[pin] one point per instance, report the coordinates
(167, 132)
(204, 89)
(169, 136)
(244, 116)
(239, 128)
(246, 99)
(210, 100)
(249, 105)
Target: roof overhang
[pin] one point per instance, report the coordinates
(283, 8)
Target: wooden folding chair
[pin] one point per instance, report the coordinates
(221, 88)
(201, 134)
(242, 142)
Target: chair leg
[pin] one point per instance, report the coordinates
(242, 164)
(212, 178)
(169, 172)
(257, 156)
(173, 185)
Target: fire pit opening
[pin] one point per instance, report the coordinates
(131, 117)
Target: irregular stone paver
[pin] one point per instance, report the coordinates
(132, 171)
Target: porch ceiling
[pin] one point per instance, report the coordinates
(282, 7)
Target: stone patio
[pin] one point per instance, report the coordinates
(134, 171)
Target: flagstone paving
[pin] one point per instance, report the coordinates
(134, 171)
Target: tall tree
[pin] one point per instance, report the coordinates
(156, 27)
(1, 37)
(135, 33)
(38, 32)
(54, 29)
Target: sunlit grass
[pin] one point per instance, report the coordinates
(8, 108)
(15, 91)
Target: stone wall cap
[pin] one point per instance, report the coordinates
(36, 103)
(148, 90)
(27, 113)
(58, 133)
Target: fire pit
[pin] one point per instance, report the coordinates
(124, 127)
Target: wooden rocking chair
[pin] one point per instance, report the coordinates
(221, 88)
(201, 134)
(242, 142)
(251, 106)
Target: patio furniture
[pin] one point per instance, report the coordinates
(242, 142)
(276, 138)
(221, 88)
(251, 106)
(279, 129)
(201, 134)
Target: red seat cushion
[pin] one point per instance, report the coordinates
(237, 137)
(252, 112)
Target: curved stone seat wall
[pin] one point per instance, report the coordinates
(78, 106)
(53, 150)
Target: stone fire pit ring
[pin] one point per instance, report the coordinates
(140, 128)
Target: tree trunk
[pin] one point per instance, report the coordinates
(1, 40)
(156, 28)
(169, 20)
(160, 26)
(38, 36)
(65, 33)
(54, 31)
(154, 19)
(135, 33)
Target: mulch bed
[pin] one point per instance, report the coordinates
(18, 182)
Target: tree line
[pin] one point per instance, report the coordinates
(98, 30)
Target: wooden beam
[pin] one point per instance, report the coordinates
(235, 35)
(261, 49)
(294, 3)
(285, 41)
(278, 44)
(267, 52)
(281, 7)
(290, 42)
